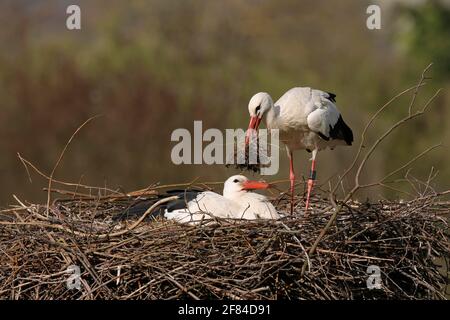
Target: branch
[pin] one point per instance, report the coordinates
(60, 158)
(374, 146)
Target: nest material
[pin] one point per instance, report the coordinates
(226, 259)
(252, 157)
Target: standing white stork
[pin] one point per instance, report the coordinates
(306, 119)
(193, 206)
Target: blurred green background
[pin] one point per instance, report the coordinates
(150, 67)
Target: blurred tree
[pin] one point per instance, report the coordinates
(422, 35)
(426, 35)
(152, 66)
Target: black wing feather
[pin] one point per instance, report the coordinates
(341, 131)
(331, 97)
(140, 207)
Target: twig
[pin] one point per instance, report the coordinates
(60, 158)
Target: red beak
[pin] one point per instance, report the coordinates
(254, 185)
(253, 125)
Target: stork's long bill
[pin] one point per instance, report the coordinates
(255, 185)
(253, 125)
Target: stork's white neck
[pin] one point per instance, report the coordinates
(271, 117)
(244, 197)
(233, 194)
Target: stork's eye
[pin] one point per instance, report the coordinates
(236, 180)
(257, 109)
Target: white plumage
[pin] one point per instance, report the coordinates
(237, 202)
(306, 119)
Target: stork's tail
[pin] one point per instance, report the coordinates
(137, 209)
(341, 131)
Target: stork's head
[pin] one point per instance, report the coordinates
(238, 184)
(258, 106)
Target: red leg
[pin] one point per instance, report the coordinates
(312, 177)
(292, 178)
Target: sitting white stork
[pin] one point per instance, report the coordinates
(193, 206)
(306, 119)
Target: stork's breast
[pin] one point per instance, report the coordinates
(294, 138)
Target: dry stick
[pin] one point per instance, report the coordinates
(151, 190)
(354, 190)
(387, 133)
(429, 180)
(363, 135)
(27, 164)
(411, 161)
(180, 286)
(411, 183)
(417, 157)
(28, 208)
(100, 236)
(416, 91)
(174, 185)
(60, 158)
(79, 182)
(354, 255)
(87, 197)
(384, 185)
(300, 244)
(184, 184)
(146, 213)
(15, 212)
(26, 167)
(154, 188)
(365, 159)
(429, 287)
(145, 260)
(75, 195)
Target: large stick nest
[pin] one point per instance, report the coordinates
(409, 242)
